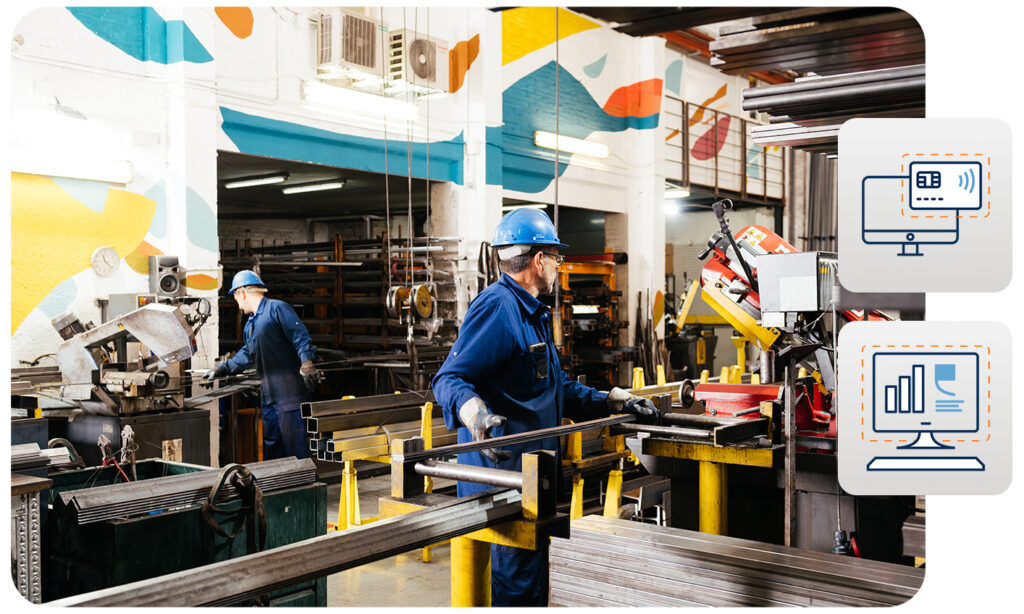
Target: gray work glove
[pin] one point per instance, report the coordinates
(219, 371)
(623, 402)
(310, 374)
(479, 420)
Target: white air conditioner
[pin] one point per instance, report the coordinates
(346, 41)
(419, 61)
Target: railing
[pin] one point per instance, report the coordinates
(708, 148)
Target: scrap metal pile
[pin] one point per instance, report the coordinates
(125, 500)
(613, 562)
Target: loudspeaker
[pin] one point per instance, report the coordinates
(166, 278)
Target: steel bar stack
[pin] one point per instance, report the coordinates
(352, 429)
(124, 500)
(613, 562)
(809, 112)
(249, 576)
(825, 40)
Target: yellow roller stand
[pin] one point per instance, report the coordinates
(705, 375)
(712, 498)
(724, 376)
(576, 504)
(638, 377)
(471, 573)
(427, 432)
(661, 375)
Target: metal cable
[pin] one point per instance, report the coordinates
(387, 181)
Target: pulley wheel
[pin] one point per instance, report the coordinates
(422, 302)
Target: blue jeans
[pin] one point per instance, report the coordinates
(284, 431)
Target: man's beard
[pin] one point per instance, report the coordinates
(549, 284)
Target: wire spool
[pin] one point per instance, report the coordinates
(422, 301)
(397, 301)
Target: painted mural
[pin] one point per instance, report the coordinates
(528, 104)
(143, 34)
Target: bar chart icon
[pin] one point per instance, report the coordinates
(907, 397)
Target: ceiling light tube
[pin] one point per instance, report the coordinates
(677, 193)
(507, 208)
(344, 100)
(313, 187)
(566, 143)
(254, 181)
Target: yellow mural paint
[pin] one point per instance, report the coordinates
(529, 28)
(201, 282)
(54, 235)
(138, 260)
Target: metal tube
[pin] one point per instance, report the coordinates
(249, 576)
(670, 431)
(893, 88)
(816, 83)
(501, 478)
(713, 498)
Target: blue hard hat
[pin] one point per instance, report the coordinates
(245, 278)
(526, 226)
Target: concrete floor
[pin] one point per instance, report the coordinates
(400, 581)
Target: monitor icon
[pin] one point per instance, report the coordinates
(922, 394)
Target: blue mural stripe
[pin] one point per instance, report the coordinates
(674, 76)
(528, 105)
(274, 138)
(143, 34)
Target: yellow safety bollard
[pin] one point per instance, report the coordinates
(713, 504)
(613, 494)
(661, 375)
(638, 377)
(705, 375)
(576, 503)
(470, 573)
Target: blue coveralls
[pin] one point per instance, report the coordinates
(277, 343)
(491, 359)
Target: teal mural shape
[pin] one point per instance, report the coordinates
(158, 194)
(57, 301)
(143, 34)
(92, 194)
(754, 162)
(274, 138)
(201, 226)
(528, 105)
(674, 76)
(595, 69)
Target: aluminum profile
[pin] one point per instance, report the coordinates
(609, 561)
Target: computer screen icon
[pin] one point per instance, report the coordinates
(924, 394)
(887, 217)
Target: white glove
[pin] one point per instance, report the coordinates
(623, 402)
(479, 420)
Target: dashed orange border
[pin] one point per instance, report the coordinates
(988, 181)
(988, 369)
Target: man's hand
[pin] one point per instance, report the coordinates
(219, 371)
(622, 402)
(479, 420)
(310, 374)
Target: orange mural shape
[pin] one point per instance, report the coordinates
(201, 282)
(238, 19)
(138, 260)
(460, 58)
(699, 113)
(641, 99)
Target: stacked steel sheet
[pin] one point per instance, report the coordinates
(808, 113)
(825, 40)
(613, 562)
(123, 500)
(353, 429)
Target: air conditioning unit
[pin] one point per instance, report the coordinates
(419, 61)
(346, 41)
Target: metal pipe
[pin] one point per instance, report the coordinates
(894, 88)
(711, 486)
(501, 478)
(816, 83)
(670, 431)
(246, 577)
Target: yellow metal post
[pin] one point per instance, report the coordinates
(638, 377)
(724, 377)
(576, 503)
(712, 495)
(755, 379)
(427, 432)
(741, 351)
(613, 494)
(705, 375)
(470, 573)
(735, 375)
(661, 375)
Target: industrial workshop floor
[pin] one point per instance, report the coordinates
(401, 581)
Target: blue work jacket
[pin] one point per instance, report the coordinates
(491, 359)
(277, 343)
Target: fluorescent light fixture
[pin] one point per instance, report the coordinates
(254, 181)
(313, 187)
(51, 164)
(507, 208)
(569, 144)
(677, 193)
(345, 100)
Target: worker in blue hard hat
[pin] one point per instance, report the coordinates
(503, 377)
(278, 345)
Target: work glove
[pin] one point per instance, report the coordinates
(479, 420)
(310, 374)
(219, 371)
(622, 402)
